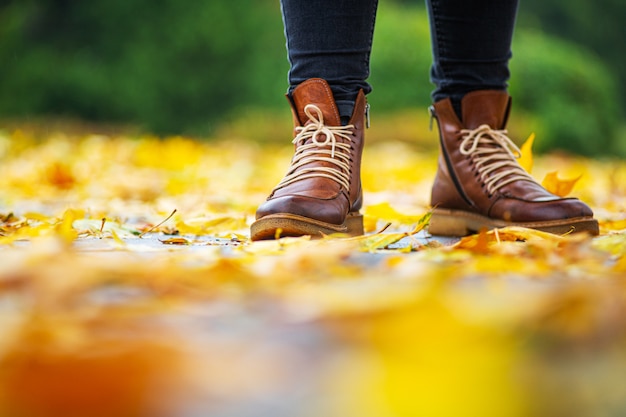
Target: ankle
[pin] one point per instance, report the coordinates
(346, 108)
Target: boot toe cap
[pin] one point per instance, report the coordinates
(327, 211)
(536, 211)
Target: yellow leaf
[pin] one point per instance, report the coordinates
(526, 155)
(515, 233)
(612, 243)
(64, 229)
(558, 186)
(483, 241)
(370, 243)
(95, 227)
(37, 216)
(426, 352)
(116, 238)
(386, 212)
(612, 225)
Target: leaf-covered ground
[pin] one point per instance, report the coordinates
(128, 287)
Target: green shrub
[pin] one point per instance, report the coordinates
(170, 66)
(568, 91)
(401, 59)
(189, 67)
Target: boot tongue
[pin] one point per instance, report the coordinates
(316, 91)
(488, 107)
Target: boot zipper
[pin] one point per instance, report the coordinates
(446, 157)
(433, 115)
(367, 115)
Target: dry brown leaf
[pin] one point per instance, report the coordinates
(175, 241)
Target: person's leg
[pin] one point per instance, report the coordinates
(479, 183)
(329, 43)
(332, 40)
(471, 44)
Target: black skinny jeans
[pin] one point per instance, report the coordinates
(332, 39)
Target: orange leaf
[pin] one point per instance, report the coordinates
(558, 186)
(176, 241)
(60, 175)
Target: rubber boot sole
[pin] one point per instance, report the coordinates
(278, 225)
(445, 222)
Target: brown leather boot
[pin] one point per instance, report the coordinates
(479, 183)
(321, 193)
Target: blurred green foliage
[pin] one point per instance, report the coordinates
(565, 93)
(186, 67)
(599, 26)
(164, 64)
(569, 92)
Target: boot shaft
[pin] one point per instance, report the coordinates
(316, 91)
(479, 182)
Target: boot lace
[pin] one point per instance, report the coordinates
(495, 157)
(322, 146)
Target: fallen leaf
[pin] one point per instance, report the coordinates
(557, 186)
(374, 242)
(395, 326)
(526, 154)
(384, 211)
(175, 241)
(483, 241)
(95, 227)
